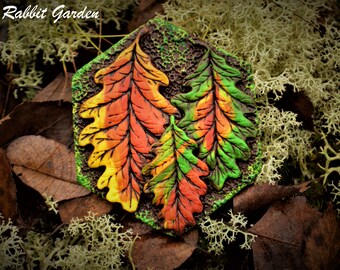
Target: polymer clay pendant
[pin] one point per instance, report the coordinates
(165, 125)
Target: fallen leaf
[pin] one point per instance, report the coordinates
(91, 203)
(257, 196)
(51, 119)
(45, 165)
(48, 114)
(281, 233)
(58, 90)
(323, 244)
(8, 198)
(161, 252)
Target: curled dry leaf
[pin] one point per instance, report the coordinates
(58, 90)
(281, 233)
(257, 196)
(49, 114)
(51, 119)
(145, 10)
(8, 203)
(45, 165)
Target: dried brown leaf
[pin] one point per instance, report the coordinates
(145, 11)
(47, 166)
(161, 252)
(58, 90)
(91, 203)
(8, 198)
(257, 196)
(323, 244)
(52, 120)
(281, 233)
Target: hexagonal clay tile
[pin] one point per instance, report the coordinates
(166, 126)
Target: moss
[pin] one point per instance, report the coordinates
(147, 218)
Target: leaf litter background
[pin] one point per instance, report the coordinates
(37, 160)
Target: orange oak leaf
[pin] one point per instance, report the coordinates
(176, 181)
(129, 114)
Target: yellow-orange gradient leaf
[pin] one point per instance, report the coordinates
(129, 114)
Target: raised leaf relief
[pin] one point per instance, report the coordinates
(176, 180)
(215, 117)
(179, 144)
(128, 114)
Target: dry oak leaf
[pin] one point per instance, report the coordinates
(47, 166)
(129, 113)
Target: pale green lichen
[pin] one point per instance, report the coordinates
(336, 194)
(331, 155)
(54, 41)
(218, 232)
(51, 204)
(281, 138)
(287, 43)
(330, 114)
(92, 243)
(11, 246)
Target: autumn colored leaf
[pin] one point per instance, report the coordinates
(129, 113)
(176, 180)
(215, 117)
